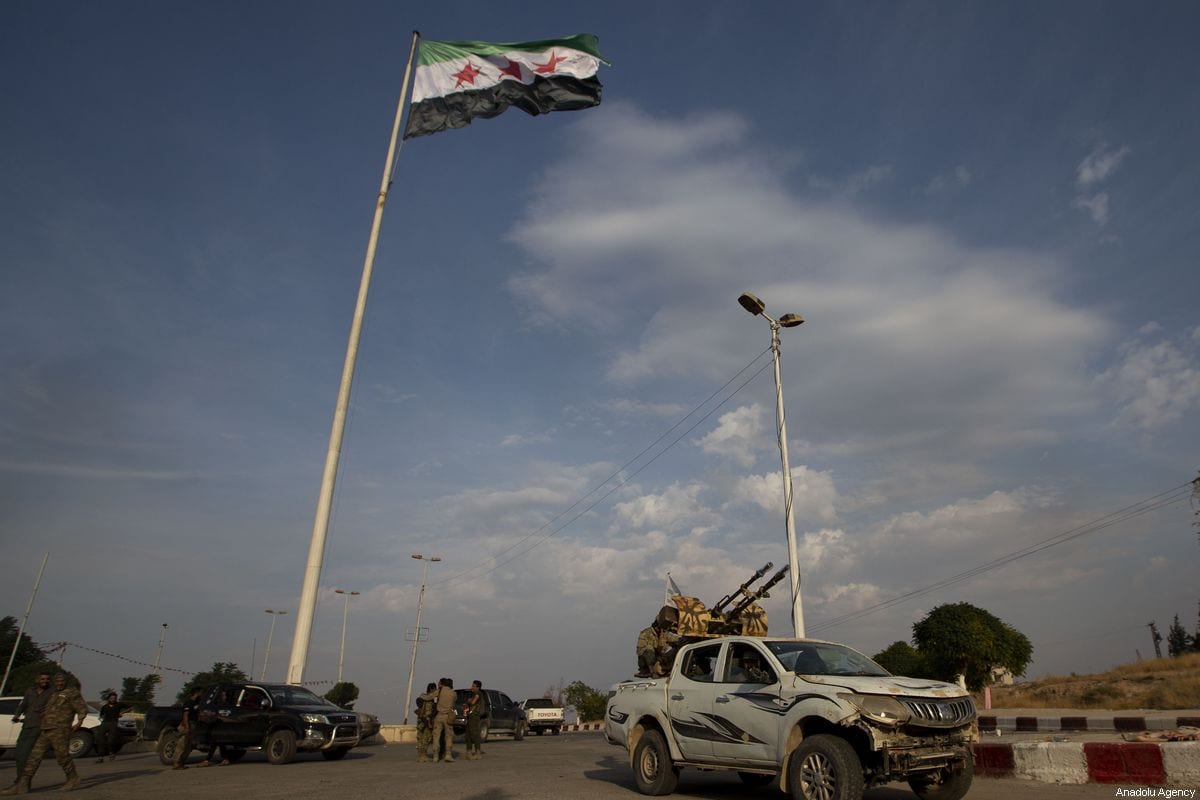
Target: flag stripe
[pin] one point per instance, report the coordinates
(433, 51)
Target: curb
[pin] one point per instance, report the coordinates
(1139, 763)
(990, 724)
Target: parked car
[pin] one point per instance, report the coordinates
(82, 741)
(505, 716)
(543, 714)
(276, 718)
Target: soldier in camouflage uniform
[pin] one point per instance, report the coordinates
(654, 644)
(477, 715)
(426, 711)
(58, 723)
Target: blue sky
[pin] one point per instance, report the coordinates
(986, 213)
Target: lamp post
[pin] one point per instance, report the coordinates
(412, 665)
(345, 615)
(267, 656)
(757, 308)
(162, 638)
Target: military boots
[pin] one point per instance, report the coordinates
(20, 787)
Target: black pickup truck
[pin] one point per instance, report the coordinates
(279, 719)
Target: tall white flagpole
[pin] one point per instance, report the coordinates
(17, 642)
(316, 548)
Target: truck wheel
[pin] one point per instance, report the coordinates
(945, 784)
(483, 733)
(556, 731)
(825, 767)
(281, 746)
(233, 754)
(165, 747)
(80, 743)
(653, 770)
(755, 778)
(336, 754)
(519, 731)
(539, 731)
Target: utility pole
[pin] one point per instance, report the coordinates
(1156, 637)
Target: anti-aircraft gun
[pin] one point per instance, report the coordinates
(734, 614)
(689, 619)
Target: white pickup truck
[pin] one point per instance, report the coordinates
(543, 714)
(825, 719)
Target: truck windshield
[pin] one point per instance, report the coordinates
(823, 658)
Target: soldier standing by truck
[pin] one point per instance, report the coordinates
(108, 736)
(426, 712)
(191, 717)
(443, 726)
(58, 723)
(31, 706)
(477, 712)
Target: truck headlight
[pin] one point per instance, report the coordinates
(880, 708)
(315, 719)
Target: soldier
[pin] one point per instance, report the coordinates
(31, 706)
(654, 644)
(58, 723)
(107, 736)
(426, 711)
(443, 725)
(477, 714)
(191, 718)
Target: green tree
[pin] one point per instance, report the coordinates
(343, 694)
(960, 639)
(588, 703)
(21, 679)
(221, 672)
(27, 653)
(138, 693)
(1178, 641)
(901, 658)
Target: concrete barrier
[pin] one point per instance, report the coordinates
(1129, 763)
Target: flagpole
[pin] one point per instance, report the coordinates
(316, 548)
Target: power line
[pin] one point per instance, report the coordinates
(1146, 506)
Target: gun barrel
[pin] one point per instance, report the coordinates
(745, 587)
(761, 591)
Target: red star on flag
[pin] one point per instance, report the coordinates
(551, 65)
(513, 69)
(466, 75)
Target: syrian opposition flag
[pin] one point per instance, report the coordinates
(459, 81)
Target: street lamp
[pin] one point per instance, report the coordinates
(412, 665)
(271, 635)
(757, 308)
(345, 616)
(162, 638)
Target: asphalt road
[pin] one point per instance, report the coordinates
(539, 768)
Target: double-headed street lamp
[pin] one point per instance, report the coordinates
(267, 657)
(412, 666)
(757, 308)
(345, 616)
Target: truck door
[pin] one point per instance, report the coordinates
(690, 701)
(745, 708)
(246, 721)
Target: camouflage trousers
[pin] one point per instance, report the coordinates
(60, 740)
(424, 736)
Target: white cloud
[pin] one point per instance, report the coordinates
(813, 493)
(1099, 164)
(738, 435)
(955, 179)
(1154, 383)
(669, 510)
(1096, 205)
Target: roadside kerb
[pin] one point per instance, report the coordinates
(1137, 763)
